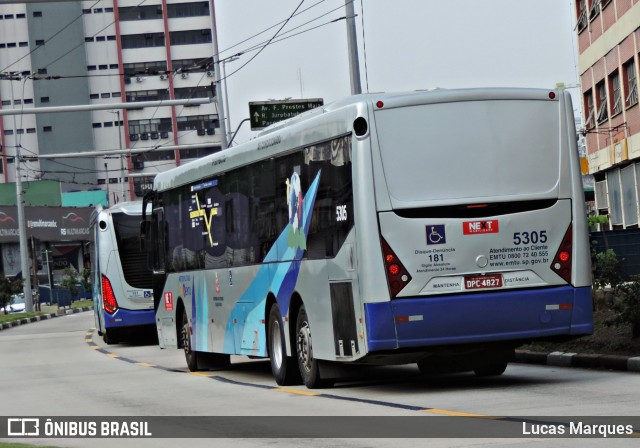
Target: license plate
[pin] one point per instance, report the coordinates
(483, 281)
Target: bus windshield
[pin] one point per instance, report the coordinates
(132, 258)
(495, 149)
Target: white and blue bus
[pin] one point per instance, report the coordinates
(122, 280)
(443, 228)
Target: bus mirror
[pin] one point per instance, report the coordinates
(145, 227)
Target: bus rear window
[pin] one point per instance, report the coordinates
(486, 149)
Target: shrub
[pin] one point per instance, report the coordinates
(607, 270)
(626, 305)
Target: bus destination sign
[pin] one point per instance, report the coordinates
(266, 113)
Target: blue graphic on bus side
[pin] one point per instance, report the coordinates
(436, 234)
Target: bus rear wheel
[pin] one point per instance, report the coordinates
(284, 368)
(185, 334)
(308, 365)
(109, 337)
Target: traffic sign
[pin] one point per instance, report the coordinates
(266, 113)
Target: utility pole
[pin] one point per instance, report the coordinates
(354, 63)
(216, 75)
(22, 227)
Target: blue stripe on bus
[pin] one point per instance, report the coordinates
(245, 324)
(478, 317)
(126, 318)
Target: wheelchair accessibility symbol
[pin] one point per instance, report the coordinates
(436, 234)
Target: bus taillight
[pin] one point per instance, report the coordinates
(561, 264)
(108, 297)
(397, 276)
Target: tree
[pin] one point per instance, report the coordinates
(85, 279)
(70, 282)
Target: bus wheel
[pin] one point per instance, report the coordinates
(284, 368)
(190, 355)
(109, 338)
(308, 365)
(493, 364)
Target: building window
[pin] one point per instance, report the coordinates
(115, 94)
(44, 99)
(37, 13)
(595, 9)
(31, 130)
(193, 92)
(602, 114)
(88, 39)
(146, 12)
(97, 10)
(103, 67)
(47, 129)
(91, 67)
(147, 95)
(616, 95)
(143, 40)
(113, 66)
(39, 42)
(604, 3)
(19, 131)
(111, 37)
(11, 45)
(108, 9)
(187, 9)
(198, 123)
(97, 125)
(150, 68)
(8, 132)
(28, 101)
(20, 16)
(42, 71)
(582, 15)
(190, 37)
(108, 124)
(86, 11)
(100, 38)
(631, 83)
(23, 44)
(196, 153)
(6, 102)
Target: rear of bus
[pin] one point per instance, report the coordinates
(124, 294)
(482, 222)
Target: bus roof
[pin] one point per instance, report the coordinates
(285, 135)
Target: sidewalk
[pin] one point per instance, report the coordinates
(584, 360)
(49, 313)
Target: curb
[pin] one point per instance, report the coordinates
(28, 320)
(584, 360)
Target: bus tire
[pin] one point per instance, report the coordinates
(493, 364)
(308, 365)
(190, 355)
(109, 338)
(284, 368)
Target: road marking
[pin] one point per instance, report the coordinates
(145, 364)
(296, 391)
(458, 414)
(202, 374)
(113, 355)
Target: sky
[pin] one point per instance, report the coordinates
(404, 45)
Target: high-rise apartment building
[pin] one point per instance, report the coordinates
(101, 52)
(608, 46)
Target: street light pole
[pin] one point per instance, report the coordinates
(124, 196)
(226, 96)
(22, 228)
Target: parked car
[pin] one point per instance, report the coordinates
(16, 305)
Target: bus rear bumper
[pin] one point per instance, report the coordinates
(129, 318)
(518, 315)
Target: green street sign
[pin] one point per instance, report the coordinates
(266, 113)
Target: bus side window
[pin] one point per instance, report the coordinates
(159, 235)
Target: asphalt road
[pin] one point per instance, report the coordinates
(59, 367)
